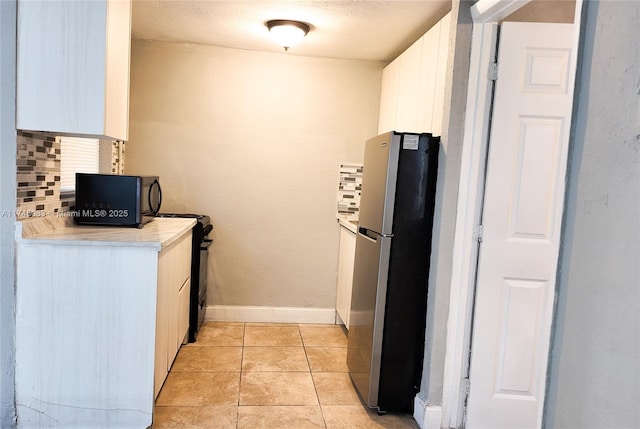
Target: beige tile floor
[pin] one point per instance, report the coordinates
(266, 376)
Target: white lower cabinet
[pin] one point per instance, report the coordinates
(94, 330)
(346, 258)
(174, 269)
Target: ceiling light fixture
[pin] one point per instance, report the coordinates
(286, 32)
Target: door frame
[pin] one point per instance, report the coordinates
(486, 15)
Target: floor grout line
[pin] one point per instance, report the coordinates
(316, 341)
(244, 329)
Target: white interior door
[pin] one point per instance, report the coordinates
(521, 225)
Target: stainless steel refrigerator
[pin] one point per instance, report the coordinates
(393, 246)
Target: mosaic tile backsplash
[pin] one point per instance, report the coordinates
(349, 190)
(38, 174)
(117, 157)
(38, 170)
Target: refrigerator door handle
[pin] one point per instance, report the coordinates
(368, 234)
(371, 235)
(363, 232)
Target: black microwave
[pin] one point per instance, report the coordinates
(109, 199)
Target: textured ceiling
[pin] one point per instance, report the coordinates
(356, 29)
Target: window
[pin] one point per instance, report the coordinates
(78, 155)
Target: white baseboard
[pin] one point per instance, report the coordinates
(240, 313)
(427, 416)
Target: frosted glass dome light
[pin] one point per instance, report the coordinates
(287, 33)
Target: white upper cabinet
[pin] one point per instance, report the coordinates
(427, 85)
(412, 95)
(389, 97)
(73, 67)
(441, 69)
(407, 115)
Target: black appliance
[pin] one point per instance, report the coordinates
(109, 199)
(199, 255)
(393, 246)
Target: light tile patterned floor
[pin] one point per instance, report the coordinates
(266, 376)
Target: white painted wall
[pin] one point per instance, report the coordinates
(595, 356)
(254, 140)
(7, 204)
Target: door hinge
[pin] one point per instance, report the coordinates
(467, 386)
(493, 71)
(477, 233)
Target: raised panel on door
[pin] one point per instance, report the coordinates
(521, 218)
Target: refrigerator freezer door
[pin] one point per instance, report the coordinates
(379, 182)
(367, 313)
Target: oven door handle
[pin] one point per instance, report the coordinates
(207, 230)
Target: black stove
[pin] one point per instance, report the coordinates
(199, 256)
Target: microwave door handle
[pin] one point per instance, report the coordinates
(157, 209)
(159, 196)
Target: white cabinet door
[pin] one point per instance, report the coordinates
(389, 97)
(427, 83)
(174, 269)
(180, 271)
(161, 367)
(346, 259)
(412, 93)
(84, 335)
(118, 68)
(407, 111)
(183, 311)
(441, 71)
(73, 67)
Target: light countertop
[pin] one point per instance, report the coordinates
(351, 225)
(159, 233)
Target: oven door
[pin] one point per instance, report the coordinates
(202, 284)
(204, 254)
